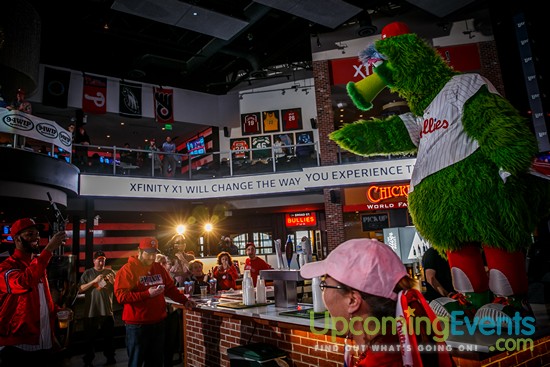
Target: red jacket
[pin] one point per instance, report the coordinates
(226, 278)
(19, 298)
(131, 290)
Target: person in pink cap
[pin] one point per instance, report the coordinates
(140, 287)
(364, 280)
(27, 310)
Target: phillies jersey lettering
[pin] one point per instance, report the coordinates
(439, 132)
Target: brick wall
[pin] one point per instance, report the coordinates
(209, 335)
(490, 66)
(539, 356)
(329, 150)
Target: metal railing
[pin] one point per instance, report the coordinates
(112, 160)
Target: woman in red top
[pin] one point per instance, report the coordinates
(226, 273)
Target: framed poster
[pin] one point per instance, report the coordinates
(262, 141)
(375, 221)
(292, 119)
(305, 137)
(288, 142)
(250, 123)
(271, 121)
(240, 148)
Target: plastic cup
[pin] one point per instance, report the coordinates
(204, 291)
(64, 318)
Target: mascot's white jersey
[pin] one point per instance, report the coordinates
(439, 134)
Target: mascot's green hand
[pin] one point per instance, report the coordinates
(375, 137)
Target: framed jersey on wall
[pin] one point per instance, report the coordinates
(262, 141)
(292, 119)
(240, 148)
(251, 123)
(271, 121)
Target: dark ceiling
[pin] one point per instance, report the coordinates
(252, 42)
(237, 44)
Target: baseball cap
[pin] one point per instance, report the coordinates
(248, 244)
(21, 224)
(99, 254)
(365, 264)
(395, 29)
(149, 245)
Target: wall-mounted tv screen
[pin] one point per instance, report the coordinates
(196, 146)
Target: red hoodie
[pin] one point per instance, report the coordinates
(131, 290)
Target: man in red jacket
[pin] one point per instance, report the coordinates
(27, 312)
(140, 286)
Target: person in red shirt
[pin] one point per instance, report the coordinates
(28, 312)
(140, 287)
(226, 273)
(254, 263)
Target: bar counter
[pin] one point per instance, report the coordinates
(209, 331)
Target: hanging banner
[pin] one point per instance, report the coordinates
(163, 101)
(94, 95)
(30, 126)
(56, 87)
(129, 104)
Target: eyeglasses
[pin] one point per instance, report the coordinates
(323, 285)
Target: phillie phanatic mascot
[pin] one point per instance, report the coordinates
(471, 191)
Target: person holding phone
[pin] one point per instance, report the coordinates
(140, 287)
(97, 285)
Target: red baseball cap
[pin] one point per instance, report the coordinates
(22, 224)
(149, 245)
(248, 244)
(376, 267)
(395, 29)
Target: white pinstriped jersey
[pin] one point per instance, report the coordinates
(439, 134)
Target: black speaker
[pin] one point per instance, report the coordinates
(313, 123)
(226, 132)
(335, 197)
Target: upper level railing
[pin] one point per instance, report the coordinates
(107, 160)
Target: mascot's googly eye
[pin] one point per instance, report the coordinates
(371, 57)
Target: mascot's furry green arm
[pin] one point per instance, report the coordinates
(471, 185)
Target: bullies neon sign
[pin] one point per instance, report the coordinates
(300, 219)
(376, 194)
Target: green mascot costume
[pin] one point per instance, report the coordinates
(471, 191)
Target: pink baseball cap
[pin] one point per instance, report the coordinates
(365, 264)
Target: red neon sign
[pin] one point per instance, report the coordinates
(300, 219)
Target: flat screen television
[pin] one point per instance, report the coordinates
(196, 146)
